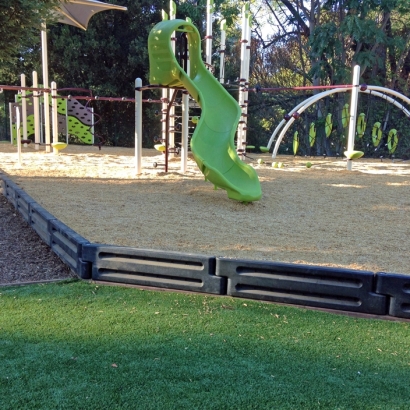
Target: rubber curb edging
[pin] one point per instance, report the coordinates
(66, 243)
(348, 290)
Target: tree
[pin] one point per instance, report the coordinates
(20, 23)
(335, 35)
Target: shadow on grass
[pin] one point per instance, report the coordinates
(80, 345)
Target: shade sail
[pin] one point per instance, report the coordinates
(78, 13)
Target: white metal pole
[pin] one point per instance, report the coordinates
(242, 78)
(138, 126)
(18, 119)
(36, 108)
(171, 128)
(45, 85)
(246, 76)
(24, 106)
(42, 138)
(185, 129)
(185, 121)
(54, 113)
(92, 126)
(353, 113)
(164, 105)
(164, 95)
(11, 123)
(208, 38)
(66, 122)
(222, 52)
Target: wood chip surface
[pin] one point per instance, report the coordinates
(323, 215)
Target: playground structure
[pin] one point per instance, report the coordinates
(169, 128)
(67, 114)
(358, 121)
(226, 170)
(213, 141)
(351, 119)
(72, 118)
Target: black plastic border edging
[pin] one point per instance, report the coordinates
(2, 185)
(148, 267)
(316, 286)
(66, 243)
(40, 221)
(398, 288)
(9, 190)
(23, 203)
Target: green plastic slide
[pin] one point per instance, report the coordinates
(212, 144)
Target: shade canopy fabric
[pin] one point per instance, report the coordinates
(78, 13)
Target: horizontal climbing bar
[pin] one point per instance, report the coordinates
(309, 87)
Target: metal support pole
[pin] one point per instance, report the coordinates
(209, 10)
(353, 113)
(45, 85)
(66, 122)
(171, 120)
(11, 122)
(54, 114)
(222, 52)
(92, 126)
(138, 126)
(24, 106)
(185, 129)
(164, 107)
(243, 76)
(244, 118)
(18, 136)
(36, 108)
(170, 105)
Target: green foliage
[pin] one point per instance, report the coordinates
(20, 22)
(354, 32)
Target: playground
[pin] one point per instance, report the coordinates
(322, 215)
(225, 225)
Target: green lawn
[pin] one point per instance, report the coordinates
(76, 345)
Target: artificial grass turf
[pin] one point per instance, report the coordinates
(79, 345)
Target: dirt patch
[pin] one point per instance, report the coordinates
(323, 215)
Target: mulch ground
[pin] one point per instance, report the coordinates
(23, 256)
(322, 215)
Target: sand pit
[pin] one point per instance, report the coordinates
(324, 215)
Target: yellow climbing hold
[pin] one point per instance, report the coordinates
(361, 125)
(392, 140)
(312, 134)
(328, 125)
(345, 115)
(295, 142)
(376, 134)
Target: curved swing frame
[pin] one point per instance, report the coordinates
(374, 90)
